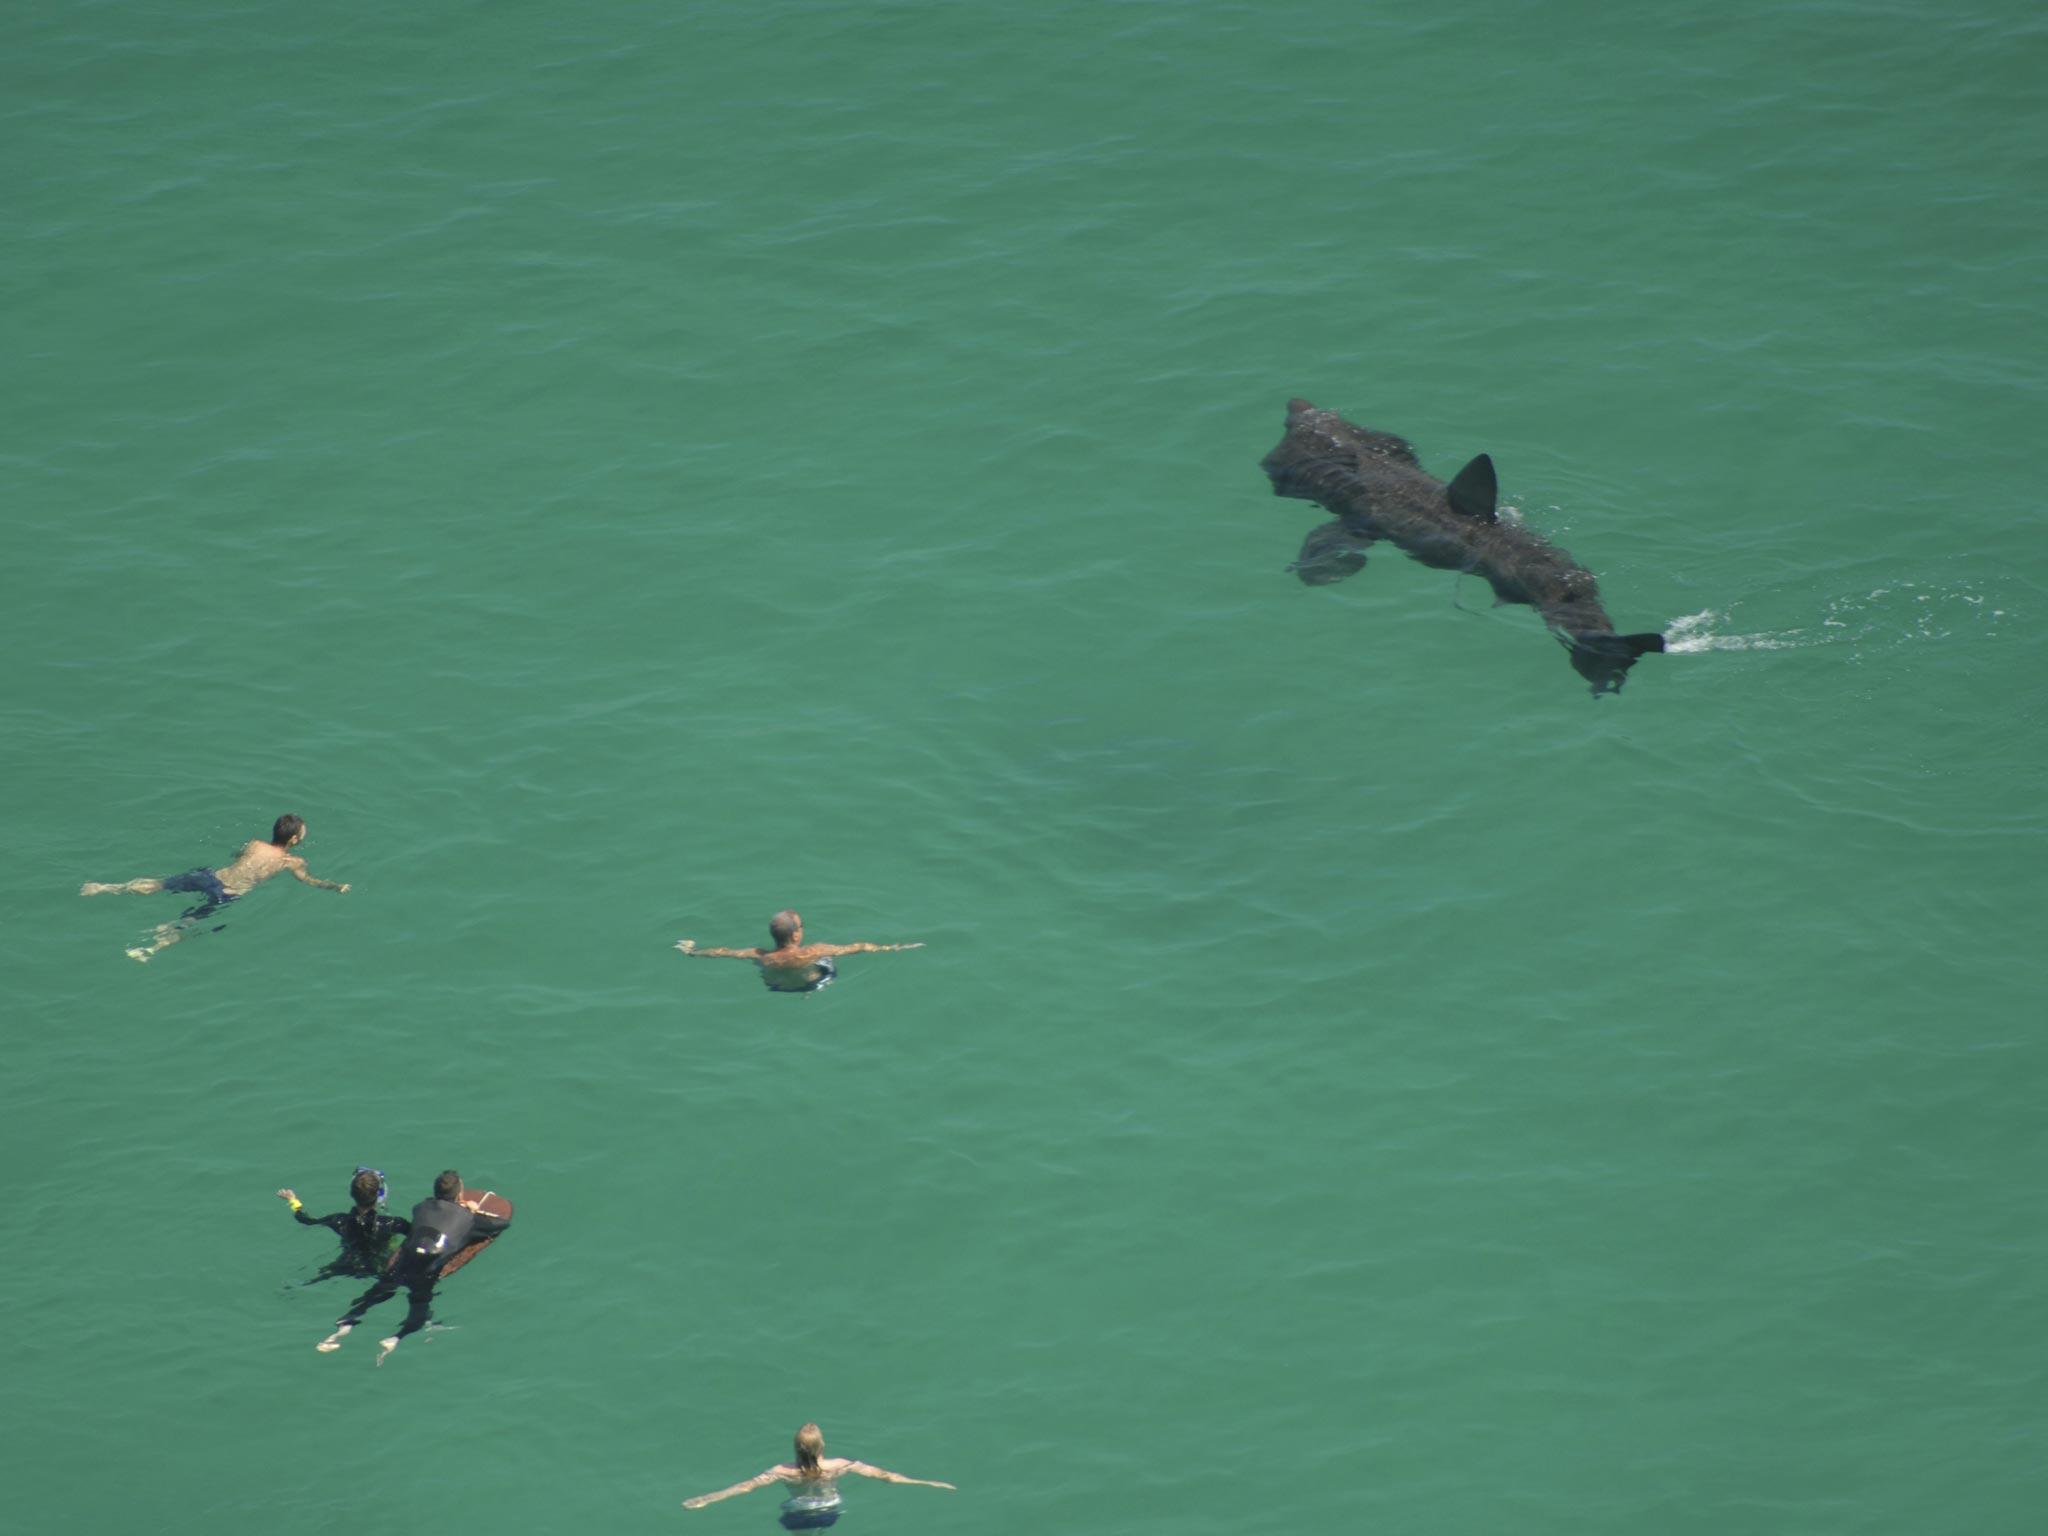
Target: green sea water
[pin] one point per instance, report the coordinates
(618, 470)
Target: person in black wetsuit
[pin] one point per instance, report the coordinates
(365, 1232)
(441, 1227)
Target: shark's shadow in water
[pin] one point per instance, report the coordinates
(1379, 491)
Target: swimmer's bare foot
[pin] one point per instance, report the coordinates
(332, 1342)
(686, 945)
(164, 937)
(96, 888)
(384, 1348)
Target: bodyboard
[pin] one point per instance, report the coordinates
(484, 1203)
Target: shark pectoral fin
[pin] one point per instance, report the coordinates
(1329, 554)
(1475, 492)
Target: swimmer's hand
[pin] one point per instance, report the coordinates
(342, 889)
(700, 1501)
(687, 946)
(285, 1194)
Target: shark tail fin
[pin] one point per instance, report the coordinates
(1616, 646)
(1630, 646)
(1604, 659)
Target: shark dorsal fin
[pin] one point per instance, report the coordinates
(1475, 492)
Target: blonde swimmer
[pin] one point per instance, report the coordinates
(813, 1483)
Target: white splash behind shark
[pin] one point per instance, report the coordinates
(1701, 632)
(1904, 611)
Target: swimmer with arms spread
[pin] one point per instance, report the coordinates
(792, 965)
(256, 863)
(814, 1490)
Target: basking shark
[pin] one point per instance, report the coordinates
(1377, 488)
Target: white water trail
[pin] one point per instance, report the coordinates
(1700, 632)
(1904, 611)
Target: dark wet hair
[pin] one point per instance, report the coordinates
(365, 1187)
(784, 926)
(288, 827)
(448, 1186)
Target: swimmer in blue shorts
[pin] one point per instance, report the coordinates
(812, 1481)
(215, 888)
(792, 965)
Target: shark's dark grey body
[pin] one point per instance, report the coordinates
(1378, 489)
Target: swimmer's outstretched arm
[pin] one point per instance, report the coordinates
(887, 1476)
(689, 947)
(858, 949)
(772, 1475)
(299, 870)
(299, 1215)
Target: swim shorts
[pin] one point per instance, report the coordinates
(204, 883)
(825, 973)
(811, 1512)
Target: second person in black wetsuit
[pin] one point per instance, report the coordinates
(441, 1227)
(365, 1231)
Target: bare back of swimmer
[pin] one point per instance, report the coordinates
(792, 965)
(812, 1477)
